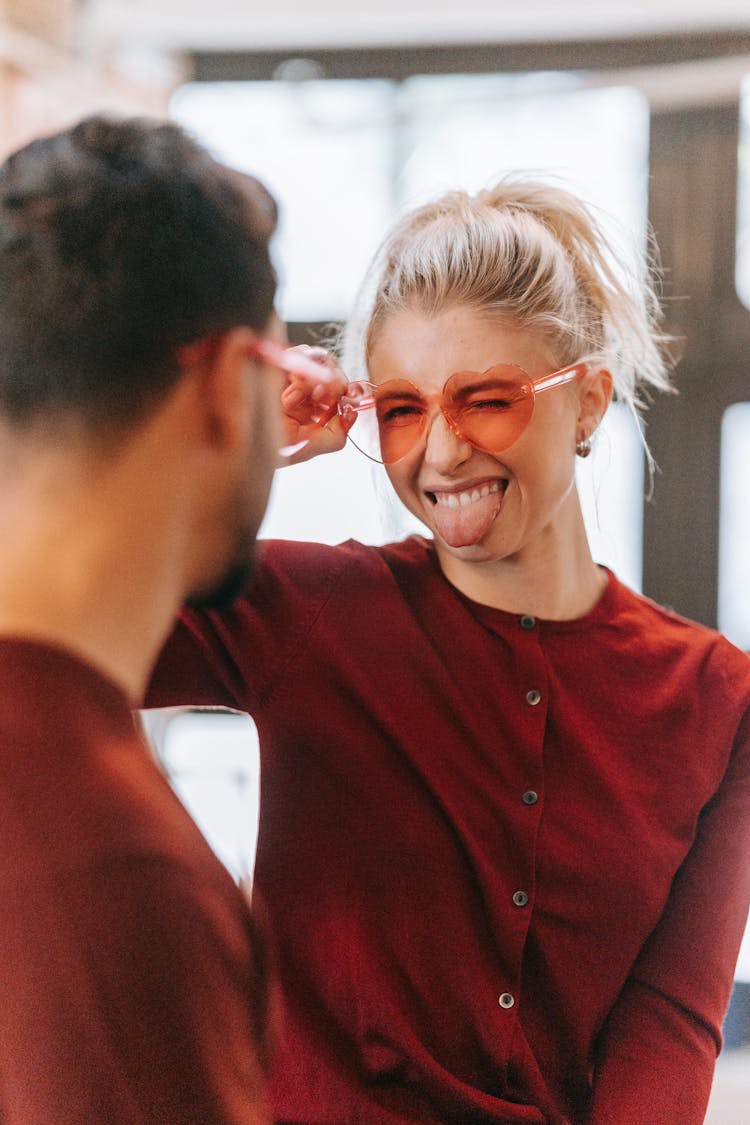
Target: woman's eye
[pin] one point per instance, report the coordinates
(399, 413)
(489, 404)
(495, 397)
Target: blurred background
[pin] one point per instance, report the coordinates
(351, 111)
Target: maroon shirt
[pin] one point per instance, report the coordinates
(507, 861)
(132, 989)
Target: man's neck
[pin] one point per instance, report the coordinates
(81, 568)
(113, 628)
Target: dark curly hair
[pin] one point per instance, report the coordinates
(121, 240)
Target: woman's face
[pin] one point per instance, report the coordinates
(482, 506)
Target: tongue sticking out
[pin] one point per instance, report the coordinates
(464, 525)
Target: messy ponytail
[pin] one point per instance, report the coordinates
(528, 253)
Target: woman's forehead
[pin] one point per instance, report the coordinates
(426, 348)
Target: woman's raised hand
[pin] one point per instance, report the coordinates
(310, 405)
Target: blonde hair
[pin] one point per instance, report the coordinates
(533, 255)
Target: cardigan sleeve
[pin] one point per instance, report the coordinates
(236, 657)
(194, 669)
(657, 1052)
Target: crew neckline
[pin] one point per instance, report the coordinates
(601, 612)
(49, 660)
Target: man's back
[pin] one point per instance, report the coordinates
(133, 986)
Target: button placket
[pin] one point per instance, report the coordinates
(531, 675)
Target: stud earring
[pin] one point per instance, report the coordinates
(583, 447)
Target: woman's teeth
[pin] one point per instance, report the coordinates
(463, 499)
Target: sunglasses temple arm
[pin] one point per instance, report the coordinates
(290, 361)
(362, 404)
(560, 378)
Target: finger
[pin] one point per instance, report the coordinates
(346, 418)
(327, 439)
(327, 360)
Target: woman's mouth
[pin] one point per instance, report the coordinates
(470, 496)
(463, 516)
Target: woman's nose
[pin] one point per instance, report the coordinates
(444, 448)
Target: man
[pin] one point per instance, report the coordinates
(138, 436)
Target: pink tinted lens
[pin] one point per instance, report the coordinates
(389, 418)
(492, 409)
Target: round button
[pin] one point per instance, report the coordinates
(527, 621)
(533, 697)
(530, 797)
(505, 1000)
(520, 898)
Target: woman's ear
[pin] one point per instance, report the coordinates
(596, 395)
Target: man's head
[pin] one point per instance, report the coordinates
(119, 242)
(122, 243)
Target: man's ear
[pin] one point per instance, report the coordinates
(219, 371)
(596, 395)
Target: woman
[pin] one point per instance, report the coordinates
(504, 834)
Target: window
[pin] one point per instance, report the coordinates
(212, 761)
(734, 525)
(742, 268)
(344, 157)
